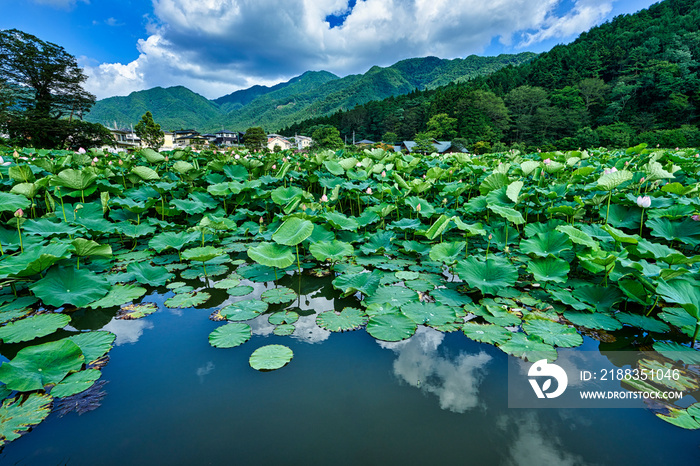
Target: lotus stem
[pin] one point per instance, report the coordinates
(205, 269)
(653, 307)
(2, 253)
(78, 262)
(695, 334)
(641, 223)
(607, 211)
(298, 263)
(19, 231)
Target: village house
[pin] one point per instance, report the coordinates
(275, 140)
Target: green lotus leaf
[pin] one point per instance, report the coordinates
(136, 231)
(550, 269)
(272, 255)
(293, 231)
(682, 291)
(283, 317)
(183, 289)
(598, 297)
(12, 202)
(450, 297)
(185, 300)
(513, 190)
(32, 327)
(687, 231)
(85, 247)
(524, 347)
(578, 236)
(76, 383)
(94, 344)
(136, 311)
(492, 182)
(644, 322)
(46, 228)
(270, 357)
(240, 290)
(196, 271)
(553, 333)
(487, 333)
(152, 156)
(529, 166)
(511, 215)
(36, 366)
(331, 250)
(75, 179)
(391, 327)
(149, 275)
(189, 206)
(680, 418)
(596, 320)
(225, 284)
(182, 167)
(365, 283)
(341, 222)
(620, 236)
(392, 296)
(279, 295)
(283, 196)
(610, 181)
(34, 260)
(676, 352)
(67, 285)
(202, 254)
(119, 295)
(437, 228)
(258, 273)
(407, 275)
(544, 244)
(284, 330)
(348, 319)
(17, 417)
(489, 275)
(429, 313)
(243, 310)
(230, 335)
(145, 173)
(447, 253)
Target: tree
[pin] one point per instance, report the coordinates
(442, 126)
(45, 79)
(255, 138)
(424, 143)
(149, 131)
(327, 137)
(390, 137)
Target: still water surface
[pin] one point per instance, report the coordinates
(344, 399)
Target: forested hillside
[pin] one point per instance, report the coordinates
(634, 79)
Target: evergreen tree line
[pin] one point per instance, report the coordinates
(634, 79)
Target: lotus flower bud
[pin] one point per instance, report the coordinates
(369, 190)
(324, 198)
(167, 158)
(274, 166)
(418, 208)
(358, 164)
(383, 174)
(19, 213)
(644, 202)
(237, 157)
(81, 151)
(95, 159)
(261, 220)
(121, 162)
(696, 217)
(490, 237)
(642, 180)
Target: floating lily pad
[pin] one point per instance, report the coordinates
(487, 333)
(522, 346)
(395, 296)
(17, 417)
(32, 327)
(188, 299)
(136, 311)
(450, 297)
(595, 320)
(488, 275)
(258, 273)
(244, 310)
(227, 283)
(67, 285)
(36, 366)
(365, 283)
(270, 357)
(149, 275)
(645, 323)
(283, 317)
(76, 383)
(553, 333)
(391, 327)
(349, 318)
(279, 295)
(183, 289)
(119, 295)
(230, 335)
(197, 271)
(284, 330)
(680, 418)
(676, 352)
(240, 290)
(94, 344)
(429, 313)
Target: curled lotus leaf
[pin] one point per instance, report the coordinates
(272, 255)
(489, 276)
(293, 231)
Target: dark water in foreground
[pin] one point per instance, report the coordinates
(344, 399)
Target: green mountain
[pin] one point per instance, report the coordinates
(635, 79)
(312, 94)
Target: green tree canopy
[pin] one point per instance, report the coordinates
(327, 137)
(255, 138)
(149, 131)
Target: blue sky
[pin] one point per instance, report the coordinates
(215, 47)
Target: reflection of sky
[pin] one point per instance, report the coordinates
(204, 370)
(455, 381)
(532, 445)
(127, 331)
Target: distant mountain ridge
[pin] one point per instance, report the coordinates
(312, 94)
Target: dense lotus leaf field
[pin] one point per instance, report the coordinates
(527, 252)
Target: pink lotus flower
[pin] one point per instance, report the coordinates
(95, 159)
(81, 151)
(19, 213)
(369, 190)
(644, 202)
(547, 161)
(358, 164)
(383, 174)
(696, 217)
(274, 167)
(608, 171)
(237, 157)
(324, 198)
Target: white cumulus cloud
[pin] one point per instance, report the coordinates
(217, 46)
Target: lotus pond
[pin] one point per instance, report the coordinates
(213, 306)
